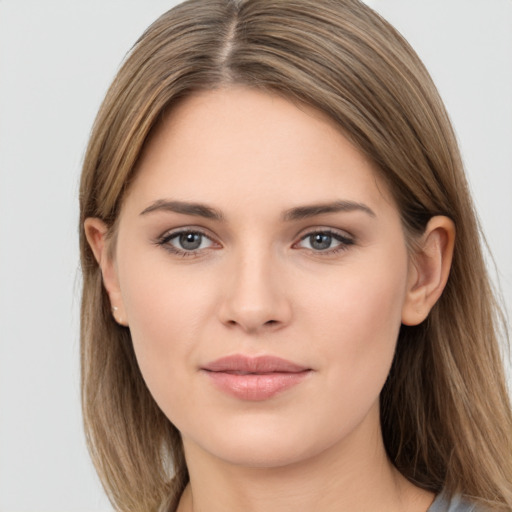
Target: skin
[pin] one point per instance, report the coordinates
(259, 285)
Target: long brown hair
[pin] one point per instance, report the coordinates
(446, 416)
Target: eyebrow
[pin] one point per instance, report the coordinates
(196, 209)
(305, 212)
(293, 214)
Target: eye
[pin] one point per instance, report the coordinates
(186, 242)
(325, 241)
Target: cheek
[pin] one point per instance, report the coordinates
(357, 318)
(166, 314)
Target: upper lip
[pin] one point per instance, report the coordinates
(251, 364)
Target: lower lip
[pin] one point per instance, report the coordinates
(256, 387)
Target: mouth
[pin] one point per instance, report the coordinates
(254, 378)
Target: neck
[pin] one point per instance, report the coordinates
(354, 476)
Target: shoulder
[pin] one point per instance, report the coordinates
(446, 503)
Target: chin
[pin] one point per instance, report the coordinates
(269, 443)
(265, 454)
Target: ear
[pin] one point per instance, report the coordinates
(96, 233)
(429, 269)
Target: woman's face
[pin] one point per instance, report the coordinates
(262, 269)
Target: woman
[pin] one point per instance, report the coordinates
(285, 304)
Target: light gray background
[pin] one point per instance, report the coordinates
(56, 61)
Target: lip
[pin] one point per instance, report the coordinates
(254, 378)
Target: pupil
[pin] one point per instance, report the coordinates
(321, 241)
(190, 241)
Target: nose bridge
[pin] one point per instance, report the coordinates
(255, 297)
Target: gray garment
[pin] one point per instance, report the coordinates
(445, 503)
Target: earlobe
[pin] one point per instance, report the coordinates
(96, 232)
(429, 269)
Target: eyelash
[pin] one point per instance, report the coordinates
(344, 242)
(163, 241)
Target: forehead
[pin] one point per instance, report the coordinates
(240, 142)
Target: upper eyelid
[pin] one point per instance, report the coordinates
(332, 231)
(171, 233)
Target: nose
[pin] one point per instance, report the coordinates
(254, 295)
